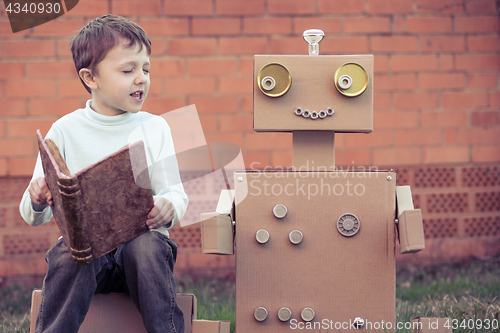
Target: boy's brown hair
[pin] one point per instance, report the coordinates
(94, 40)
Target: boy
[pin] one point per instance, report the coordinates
(111, 56)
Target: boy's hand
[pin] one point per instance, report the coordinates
(161, 214)
(39, 192)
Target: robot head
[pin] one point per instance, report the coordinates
(313, 92)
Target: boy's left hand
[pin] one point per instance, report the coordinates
(161, 214)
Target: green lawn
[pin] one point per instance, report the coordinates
(469, 293)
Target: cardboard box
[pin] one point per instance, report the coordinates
(410, 225)
(208, 326)
(431, 325)
(339, 277)
(217, 231)
(313, 88)
(117, 313)
(313, 149)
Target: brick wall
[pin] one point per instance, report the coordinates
(436, 103)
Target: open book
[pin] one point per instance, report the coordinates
(100, 207)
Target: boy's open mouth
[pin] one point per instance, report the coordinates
(137, 95)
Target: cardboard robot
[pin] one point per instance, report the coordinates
(315, 245)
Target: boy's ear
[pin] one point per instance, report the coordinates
(88, 78)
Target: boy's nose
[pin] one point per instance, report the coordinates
(141, 78)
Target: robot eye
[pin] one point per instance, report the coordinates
(351, 79)
(274, 80)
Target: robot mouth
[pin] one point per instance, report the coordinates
(322, 114)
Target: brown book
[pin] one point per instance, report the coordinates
(100, 207)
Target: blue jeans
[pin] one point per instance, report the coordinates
(143, 267)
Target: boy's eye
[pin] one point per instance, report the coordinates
(127, 71)
(146, 70)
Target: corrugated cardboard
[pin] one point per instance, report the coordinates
(314, 150)
(339, 277)
(431, 325)
(216, 234)
(117, 313)
(410, 225)
(225, 206)
(208, 326)
(313, 88)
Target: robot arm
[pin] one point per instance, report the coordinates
(217, 228)
(410, 226)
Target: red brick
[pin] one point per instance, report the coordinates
(483, 43)
(165, 26)
(439, 7)
(162, 105)
(72, 88)
(446, 62)
(89, 8)
(281, 159)
(478, 136)
(167, 67)
(236, 123)
(21, 166)
(352, 157)
(30, 49)
(3, 167)
(215, 105)
(341, 6)
(235, 85)
(259, 161)
(486, 154)
(418, 138)
(260, 141)
(209, 124)
(405, 63)
(444, 119)
(482, 80)
(393, 44)
(381, 64)
(6, 31)
(133, 7)
(239, 7)
(156, 87)
(13, 107)
(416, 100)
(243, 45)
(343, 45)
(396, 156)
(374, 139)
(247, 103)
(465, 99)
(329, 25)
(58, 28)
(395, 82)
(30, 89)
(63, 49)
(267, 25)
(418, 25)
(495, 99)
(399, 24)
(192, 46)
(445, 155)
(52, 69)
(482, 7)
(368, 25)
(11, 70)
(477, 24)
(216, 26)
(10, 148)
(390, 6)
(246, 66)
(188, 86)
(217, 67)
(27, 128)
(234, 138)
(291, 6)
(442, 43)
(188, 7)
(289, 45)
(485, 118)
(381, 101)
(435, 81)
(54, 107)
(451, 137)
(406, 119)
(157, 46)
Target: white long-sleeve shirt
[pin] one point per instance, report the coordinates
(84, 137)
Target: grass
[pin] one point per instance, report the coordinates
(466, 291)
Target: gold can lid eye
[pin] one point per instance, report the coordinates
(351, 79)
(274, 80)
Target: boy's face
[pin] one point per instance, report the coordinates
(121, 80)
